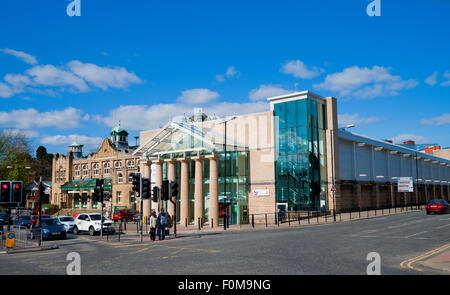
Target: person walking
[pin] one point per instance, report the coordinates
(153, 225)
(161, 223)
(168, 224)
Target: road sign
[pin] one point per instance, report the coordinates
(333, 188)
(10, 239)
(405, 185)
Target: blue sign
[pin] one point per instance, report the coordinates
(11, 235)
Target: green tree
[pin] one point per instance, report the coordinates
(14, 156)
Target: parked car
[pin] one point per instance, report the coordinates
(137, 217)
(123, 214)
(91, 222)
(4, 219)
(51, 228)
(36, 217)
(438, 206)
(23, 220)
(68, 222)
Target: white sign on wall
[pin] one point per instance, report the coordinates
(260, 192)
(405, 185)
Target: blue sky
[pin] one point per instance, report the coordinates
(144, 62)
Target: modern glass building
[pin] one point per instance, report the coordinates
(301, 168)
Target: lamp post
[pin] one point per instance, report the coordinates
(225, 172)
(332, 167)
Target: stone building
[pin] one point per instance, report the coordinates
(74, 175)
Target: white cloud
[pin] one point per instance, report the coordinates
(357, 119)
(104, 77)
(25, 57)
(26, 133)
(446, 76)
(67, 140)
(31, 118)
(142, 117)
(5, 90)
(230, 73)
(431, 80)
(49, 75)
(266, 91)
(405, 137)
(197, 96)
(365, 82)
(438, 121)
(298, 69)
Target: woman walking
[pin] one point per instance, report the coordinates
(152, 231)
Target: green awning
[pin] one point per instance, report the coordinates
(85, 184)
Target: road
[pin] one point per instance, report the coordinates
(339, 248)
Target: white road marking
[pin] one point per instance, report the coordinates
(416, 234)
(442, 226)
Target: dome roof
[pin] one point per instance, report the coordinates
(118, 129)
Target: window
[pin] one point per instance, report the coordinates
(119, 197)
(119, 178)
(85, 170)
(106, 168)
(130, 164)
(96, 168)
(118, 165)
(130, 178)
(77, 170)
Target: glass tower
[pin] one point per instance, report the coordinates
(301, 174)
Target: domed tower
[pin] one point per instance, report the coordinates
(76, 149)
(119, 137)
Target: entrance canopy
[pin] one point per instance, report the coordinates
(85, 184)
(177, 138)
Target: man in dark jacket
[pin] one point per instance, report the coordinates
(161, 223)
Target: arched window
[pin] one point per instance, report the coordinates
(119, 178)
(130, 164)
(106, 168)
(96, 167)
(85, 170)
(118, 165)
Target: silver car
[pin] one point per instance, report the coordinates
(67, 221)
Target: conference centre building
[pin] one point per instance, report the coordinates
(291, 158)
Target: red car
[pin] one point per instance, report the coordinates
(123, 214)
(438, 206)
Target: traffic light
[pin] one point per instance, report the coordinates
(173, 189)
(155, 196)
(136, 180)
(165, 190)
(16, 192)
(146, 188)
(97, 196)
(5, 191)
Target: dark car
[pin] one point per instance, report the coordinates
(137, 217)
(23, 220)
(4, 219)
(51, 228)
(438, 206)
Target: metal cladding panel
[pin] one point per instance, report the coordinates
(407, 167)
(346, 160)
(363, 168)
(426, 171)
(434, 171)
(380, 164)
(395, 165)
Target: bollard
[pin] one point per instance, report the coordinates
(340, 215)
(350, 214)
(253, 220)
(212, 222)
(125, 225)
(120, 229)
(326, 219)
(198, 221)
(299, 219)
(224, 223)
(266, 219)
(278, 219)
(317, 215)
(308, 218)
(375, 212)
(289, 219)
(368, 212)
(185, 222)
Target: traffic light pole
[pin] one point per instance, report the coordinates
(142, 204)
(101, 216)
(40, 210)
(174, 217)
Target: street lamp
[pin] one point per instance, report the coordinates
(332, 167)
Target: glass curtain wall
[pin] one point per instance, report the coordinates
(301, 154)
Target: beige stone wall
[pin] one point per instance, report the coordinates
(443, 153)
